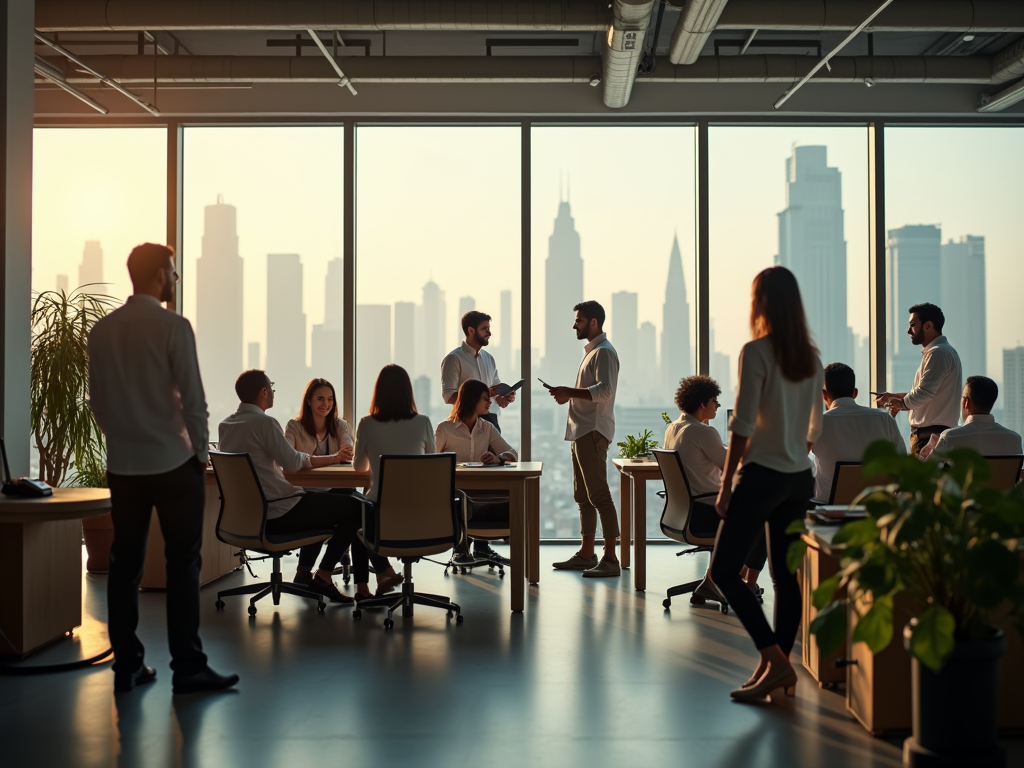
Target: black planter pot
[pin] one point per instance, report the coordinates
(955, 710)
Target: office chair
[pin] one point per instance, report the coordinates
(242, 523)
(417, 513)
(848, 482)
(1005, 471)
(487, 530)
(676, 519)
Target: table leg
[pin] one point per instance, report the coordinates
(639, 494)
(533, 529)
(625, 514)
(517, 545)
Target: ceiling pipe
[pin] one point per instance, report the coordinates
(624, 47)
(1009, 64)
(552, 69)
(350, 15)
(47, 71)
(344, 82)
(997, 102)
(696, 23)
(102, 78)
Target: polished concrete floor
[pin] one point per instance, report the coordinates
(592, 674)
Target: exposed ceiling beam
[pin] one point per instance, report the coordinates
(48, 71)
(552, 69)
(350, 15)
(696, 23)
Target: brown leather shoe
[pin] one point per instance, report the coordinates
(328, 590)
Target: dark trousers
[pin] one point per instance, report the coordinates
(762, 496)
(179, 497)
(308, 554)
(705, 525)
(919, 437)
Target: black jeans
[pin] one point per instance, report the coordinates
(179, 497)
(705, 525)
(308, 554)
(762, 496)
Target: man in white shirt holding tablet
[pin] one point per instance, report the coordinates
(847, 428)
(471, 361)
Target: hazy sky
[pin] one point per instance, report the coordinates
(443, 203)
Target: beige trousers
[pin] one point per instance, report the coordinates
(590, 485)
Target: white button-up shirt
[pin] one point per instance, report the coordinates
(374, 439)
(847, 430)
(464, 364)
(938, 386)
(599, 372)
(145, 390)
(981, 433)
(470, 446)
(250, 430)
(778, 415)
(700, 449)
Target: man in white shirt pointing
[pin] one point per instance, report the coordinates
(934, 400)
(471, 361)
(590, 429)
(847, 429)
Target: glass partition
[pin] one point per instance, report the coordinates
(613, 221)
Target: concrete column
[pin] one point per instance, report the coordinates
(17, 19)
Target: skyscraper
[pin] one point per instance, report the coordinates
(812, 246)
(506, 346)
(647, 362)
(624, 330)
(91, 269)
(466, 304)
(962, 282)
(219, 271)
(405, 335)
(62, 283)
(1012, 393)
(676, 360)
(373, 342)
(286, 327)
(563, 288)
(430, 331)
(912, 277)
(327, 340)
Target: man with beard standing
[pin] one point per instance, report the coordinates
(471, 361)
(934, 400)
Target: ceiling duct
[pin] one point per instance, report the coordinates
(696, 23)
(1009, 64)
(623, 49)
(350, 15)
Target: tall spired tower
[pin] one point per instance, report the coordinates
(676, 361)
(563, 288)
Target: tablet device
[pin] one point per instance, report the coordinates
(505, 389)
(546, 385)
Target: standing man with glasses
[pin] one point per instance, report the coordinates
(148, 399)
(470, 361)
(934, 400)
(590, 429)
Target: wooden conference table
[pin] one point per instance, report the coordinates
(41, 565)
(521, 480)
(633, 477)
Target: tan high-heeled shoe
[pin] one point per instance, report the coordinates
(776, 677)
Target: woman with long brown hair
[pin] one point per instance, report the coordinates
(318, 429)
(777, 417)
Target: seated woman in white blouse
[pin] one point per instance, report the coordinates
(319, 431)
(473, 438)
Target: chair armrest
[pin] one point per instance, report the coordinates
(706, 495)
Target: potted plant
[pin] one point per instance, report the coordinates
(948, 544)
(637, 447)
(70, 443)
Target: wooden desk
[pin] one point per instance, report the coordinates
(633, 476)
(522, 482)
(41, 565)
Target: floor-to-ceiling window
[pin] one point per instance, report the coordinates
(794, 196)
(956, 239)
(437, 235)
(262, 248)
(613, 221)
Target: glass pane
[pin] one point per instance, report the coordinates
(96, 194)
(954, 233)
(263, 258)
(613, 221)
(438, 234)
(798, 197)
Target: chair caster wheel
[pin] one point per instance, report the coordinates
(458, 619)
(446, 574)
(219, 604)
(321, 606)
(252, 610)
(388, 623)
(346, 580)
(501, 573)
(450, 614)
(490, 566)
(725, 609)
(357, 614)
(667, 602)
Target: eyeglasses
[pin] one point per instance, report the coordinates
(272, 387)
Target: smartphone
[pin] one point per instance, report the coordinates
(546, 385)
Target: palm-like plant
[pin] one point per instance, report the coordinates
(65, 432)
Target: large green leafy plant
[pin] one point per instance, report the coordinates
(635, 446)
(63, 427)
(938, 536)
